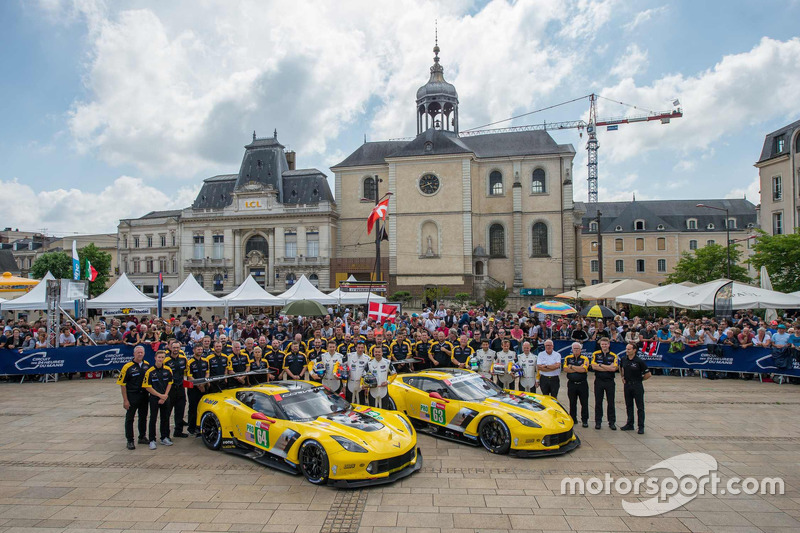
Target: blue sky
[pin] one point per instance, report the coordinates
(114, 109)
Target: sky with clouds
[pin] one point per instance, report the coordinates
(114, 109)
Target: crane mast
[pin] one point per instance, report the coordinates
(591, 148)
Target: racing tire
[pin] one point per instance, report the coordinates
(494, 435)
(314, 462)
(389, 404)
(211, 431)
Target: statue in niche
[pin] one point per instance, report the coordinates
(430, 252)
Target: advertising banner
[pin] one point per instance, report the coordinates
(71, 359)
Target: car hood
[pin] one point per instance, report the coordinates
(542, 409)
(372, 428)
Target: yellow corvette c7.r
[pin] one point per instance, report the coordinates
(464, 406)
(303, 428)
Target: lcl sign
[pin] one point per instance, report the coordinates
(252, 204)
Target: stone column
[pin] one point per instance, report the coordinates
(238, 258)
(517, 242)
(392, 218)
(273, 251)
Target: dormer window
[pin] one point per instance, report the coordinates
(618, 228)
(638, 225)
(660, 227)
(780, 143)
(731, 223)
(593, 227)
(691, 223)
(710, 226)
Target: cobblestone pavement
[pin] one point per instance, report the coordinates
(64, 466)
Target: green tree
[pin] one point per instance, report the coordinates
(59, 264)
(781, 255)
(707, 264)
(462, 298)
(496, 298)
(401, 296)
(437, 293)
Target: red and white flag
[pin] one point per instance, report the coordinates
(381, 312)
(378, 212)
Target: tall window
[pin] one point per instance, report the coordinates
(780, 143)
(370, 188)
(662, 265)
(495, 183)
(639, 225)
(777, 188)
(135, 266)
(710, 242)
(258, 243)
(136, 242)
(593, 226)
(497, 241)
(661, 243)
(218, 282)
(777, 223)
(693, 245)
(290, 279)
(691, 223)
(219, 247)
(314, 279)
(199, 279)
(290, 238)
(619, 265)
(312, 243)
(148, 263)
(149, 241)
(731, 223)
(124, 241)
(163, 241)
(618, 245)
(594, 265)
(174, 266)
(199, 247)
(174, 240)
(162, 264)
(539, 244)
(640, 245)
(537, 182)
(640, 265)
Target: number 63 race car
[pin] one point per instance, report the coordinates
(464, 406)
(303, 428)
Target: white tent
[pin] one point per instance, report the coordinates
(355, 298)
(33, 300)
(304, 290)
(191, 294)
(251, 293)
(641, 297)
(123, 293)
(744, 297)
(607, 291)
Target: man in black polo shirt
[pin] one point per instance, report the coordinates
(634, 371)
(576, 367)
(605, 364)
(177, 362)
(441, 351)
(197, 369)
(295, 363)
(158, 382)
(239, 362)
(219, 364)
(462, 352)
(134, 398)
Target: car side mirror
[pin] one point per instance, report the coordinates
(437, 396)
(262, 416)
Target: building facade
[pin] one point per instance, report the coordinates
(270, 221)
(644, 240)
(466, 212)
(779, 171)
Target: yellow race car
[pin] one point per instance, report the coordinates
(464, 406)
(301, 427)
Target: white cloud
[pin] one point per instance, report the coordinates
(64, 211)
(752, 192)
(631, 63)
(643, 16)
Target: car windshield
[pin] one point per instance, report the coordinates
(311, 403)
(473, 388)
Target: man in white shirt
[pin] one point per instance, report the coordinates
(381, 368)
(549, 370)
(504, 358)
(527, 360)
(331, 357)
(485, 358)
(197, 334)
(357, 363)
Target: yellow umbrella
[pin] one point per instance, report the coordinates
(12, 283)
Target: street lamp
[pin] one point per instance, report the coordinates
(727, 233)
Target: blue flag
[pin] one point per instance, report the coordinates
(160, 293)
(76, 264)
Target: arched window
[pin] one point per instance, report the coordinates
(495, 183)
(497, 240)
(257, 243)
(593, 227)
(218, 282)
(199, 279)
(479, 268)
(539, 241)
(314, 279)
(639, 225)
(370, 188)
(290, 279)
(691, 223)
(537, 182)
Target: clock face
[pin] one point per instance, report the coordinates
(429, 184)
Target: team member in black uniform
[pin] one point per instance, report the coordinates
(219, 364)
(462, 352)
(634, 372)
(295, 363)
(400, 350)
(176, 361)
(275, 357)
(605, 364)
(258, 363)
(239, 362)
(158, 382)
(422, 351)
(440, 353)
(576, 367)
(134, 398)
(197, 369)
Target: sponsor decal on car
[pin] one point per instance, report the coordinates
(262, 437)
(437, 413)
(250, 433)
(228, 443)
(424, 412)
(373, 414)
(209, 401)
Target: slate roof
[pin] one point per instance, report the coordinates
(216, 192)
(162, 214)
(516, 143)
(306, 186)
(264, 162)
(672, 214)
(8, 263)
(769, 150)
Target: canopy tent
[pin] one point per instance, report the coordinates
(123, 293)
(641, 297)
(12, 283)
(251, 293)
(191, 294)
(355, 298)
(34, 300)
(607, 291)
(304, 290)
(770, 314)
(744, 297)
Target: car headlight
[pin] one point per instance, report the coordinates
(406, 424)
(524, 421)
(349, 445)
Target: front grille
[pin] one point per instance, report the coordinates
(557, 439)
(393, 463)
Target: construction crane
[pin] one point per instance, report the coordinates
(591, 129)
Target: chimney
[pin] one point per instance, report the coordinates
(290, 159)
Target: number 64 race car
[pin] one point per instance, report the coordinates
(464, 406)
(301, 427)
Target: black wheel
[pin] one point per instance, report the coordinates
(494, 435)
(389, 404)
(314, 462)
(211, 431)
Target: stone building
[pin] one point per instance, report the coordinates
(779, 172)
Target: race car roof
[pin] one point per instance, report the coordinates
(283, 387)
(444, 373)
